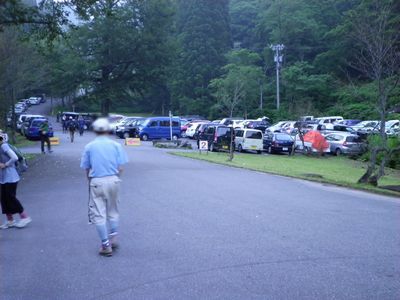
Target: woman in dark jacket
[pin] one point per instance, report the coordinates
(9, 179)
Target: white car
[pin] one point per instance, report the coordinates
(191, 129)
(277, 127)
(34, 100)
(392, 125)
(249, 139)
(366, 126)
(328, 120)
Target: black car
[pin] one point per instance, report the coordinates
(218, 137)
(130, 129)
(258, 125)
(274, 142)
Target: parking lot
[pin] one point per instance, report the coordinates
(199, 229)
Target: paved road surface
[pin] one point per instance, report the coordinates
(194, 230)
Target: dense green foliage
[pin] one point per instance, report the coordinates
(205, 57)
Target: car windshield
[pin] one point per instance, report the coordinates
(221, 131)
(36, 123)
(283, 137)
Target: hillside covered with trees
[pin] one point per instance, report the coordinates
(204, 57)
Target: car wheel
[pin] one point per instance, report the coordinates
(338, 152)
(240, 148)
(126, 135)
(175, 137)
(145, 137)
(258, 151)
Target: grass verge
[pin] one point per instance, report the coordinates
(334, 170)
(21, 141)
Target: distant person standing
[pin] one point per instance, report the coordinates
(64, 123)
(103, 159)
(9, 179)
(81, 125)
(71, 128)
(44, 136)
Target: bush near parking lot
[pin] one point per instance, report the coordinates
(393, 142)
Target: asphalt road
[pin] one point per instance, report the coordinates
(195, 230)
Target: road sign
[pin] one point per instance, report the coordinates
(54, 141)
(203, 145)
(132, 142)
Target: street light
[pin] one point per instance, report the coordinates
(278, 59)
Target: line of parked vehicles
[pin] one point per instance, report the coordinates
(28, 124)
(343, 136)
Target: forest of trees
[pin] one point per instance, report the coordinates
(204, 57)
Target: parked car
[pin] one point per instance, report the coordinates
(345, 143)
(199, 130)
(277, 127)
(366, 126)
(34, 100)
(159, 128)
(23, 118)
(123, 122)
(274, 142)
(192, 127)
(184, 125)
(114, 120)
(329, 120)
(249, 139)
(392, 125)
(218, 137)
(130, 129)
(258, 125)
(341, 128)
(230, 121)
(33, 130)
(27, 122)
(348, 122)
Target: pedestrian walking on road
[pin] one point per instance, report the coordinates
(44, 136)
(81, 125)
(9, 179)
(71, 128)
(103, 159)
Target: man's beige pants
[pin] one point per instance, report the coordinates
(104, 199)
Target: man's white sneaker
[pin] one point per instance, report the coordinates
(23, 222)
(8, 224)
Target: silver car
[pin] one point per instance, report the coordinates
(345, 143)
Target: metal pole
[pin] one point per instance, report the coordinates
(278, 58)
(170, 124)
(277, 87)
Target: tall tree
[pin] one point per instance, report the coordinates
(204, 35)
(375, 28)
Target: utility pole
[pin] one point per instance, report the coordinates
(278, 58)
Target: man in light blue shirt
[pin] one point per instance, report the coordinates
(103, 159)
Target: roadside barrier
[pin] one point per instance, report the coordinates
(54, 141)
(132, 142)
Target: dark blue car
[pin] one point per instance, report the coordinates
(159, 128)
(274, 142)
(33, 130)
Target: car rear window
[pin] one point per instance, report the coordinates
(221, 131)
(353, 139)
(283, 137)
(254, 135)
(36, 123)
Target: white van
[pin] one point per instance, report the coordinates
(249, 139)
(329, 120)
